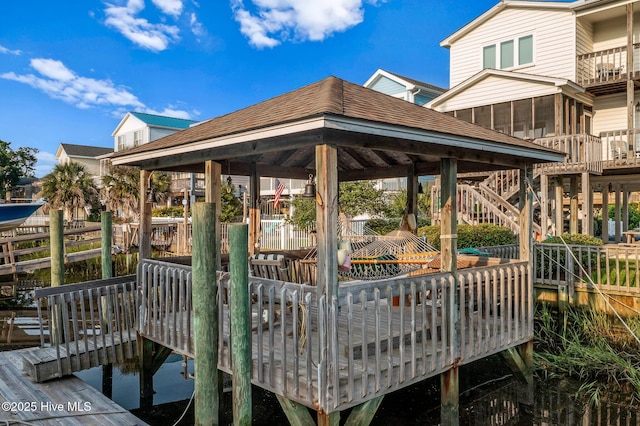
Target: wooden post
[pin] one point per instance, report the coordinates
(240, 324)
(545, 224)
(559, 201)
(254, 211)
(212, 185)
(587, 204)
(617, 234)
(106, 228)
(605, 213)
(526, 215)
(205, 314)
(146, 373)
(412, 196)
(56, 224)
(106, 225)
(625, 209)
(185, 220)
(631, 86)
(144, 229)
(573, 205)
(449, 395)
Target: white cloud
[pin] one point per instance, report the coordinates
(169, 7)
(9, 51)
(171, 111)
(154, 37)
(280, 20)
(59, 82)
(196, 27)
(45, 162)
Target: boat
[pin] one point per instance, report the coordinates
(13, 215)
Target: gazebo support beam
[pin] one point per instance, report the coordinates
(254, 210)
(144, 230)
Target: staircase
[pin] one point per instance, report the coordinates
(492, 201)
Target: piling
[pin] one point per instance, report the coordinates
(56, 224)
(240, 323)
(205, 308)
(106, 233)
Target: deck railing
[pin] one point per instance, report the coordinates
(611, 267)
(372, 338)
(604, 66)
(584, 153)
(622, 147)
(89, 324)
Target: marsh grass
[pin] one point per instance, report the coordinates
(590, 346)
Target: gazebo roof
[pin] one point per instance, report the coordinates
(376, 135)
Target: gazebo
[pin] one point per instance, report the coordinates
(336, 131)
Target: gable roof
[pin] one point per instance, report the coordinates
(504, 4)
(406, 81)
(154, 120)
(371, 129)
(84, 151)
(490, 72)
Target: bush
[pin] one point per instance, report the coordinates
(384, 226)
(575, 239)
(176, 211)
(482, 235)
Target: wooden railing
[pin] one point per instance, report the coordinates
(611, 267)
(372, 338)
(505, 183)
(584, 154)
(604, 66)
(622, 147)
(89, 324)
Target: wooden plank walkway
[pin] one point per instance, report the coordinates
(68, 401)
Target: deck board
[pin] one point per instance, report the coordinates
(16, 386)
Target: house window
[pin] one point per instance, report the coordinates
(508, 53)
(122, 143)
(489, 57)
(137, 138)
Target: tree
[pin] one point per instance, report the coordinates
(231, 207)
(15, 165)
(122, 190)
(160, 185)
(398, 203)
(71, 187)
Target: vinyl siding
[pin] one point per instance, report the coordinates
(421, 99)
(609, 113)
(155, 133)
(492, 90)
(584, 37)
(553, 42)
(388, 86)
(610, 34)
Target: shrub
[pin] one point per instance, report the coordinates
(482, 235)
(176, 211)
(575, 239)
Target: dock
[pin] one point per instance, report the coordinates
(68, 401)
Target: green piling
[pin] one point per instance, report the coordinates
(107, 237)
(240, 324)
(205, 308)
(56, 226)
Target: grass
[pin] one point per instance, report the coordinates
(589, 346)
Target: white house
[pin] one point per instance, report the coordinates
(87, 156)
(563, 74)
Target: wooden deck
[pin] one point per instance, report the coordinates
(336, 354)
(68, 401)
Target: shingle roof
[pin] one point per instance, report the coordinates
(84, 150)
(418, 82)
(163, 121)
(331, 96)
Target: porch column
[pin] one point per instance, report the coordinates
(144, 228)
(605, 213)
(587, 204)
(526, 213)
(449, 395)
(544, 207)
(254, 210)
(625, 209)
(573, 205)
(327, 272)
(629, 68)
(412, 199)
(558, 198)
(617, 214)
(212, 187)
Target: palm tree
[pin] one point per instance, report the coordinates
(122, 190)
(71, 187)
(161, 185)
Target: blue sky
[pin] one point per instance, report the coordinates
(70, 70)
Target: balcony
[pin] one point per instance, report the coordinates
(605, 71)
(583, 154)
(622, 147)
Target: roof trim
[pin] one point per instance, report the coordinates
(411, 85)
(504, 4)
(488, 72)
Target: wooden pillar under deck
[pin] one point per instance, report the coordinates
(144, 229)
(587, 204)
(625, 210)
(573, 205)
(545, 223)
(449, 390)
(618, 235)
(605, 213)
(559, 207)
